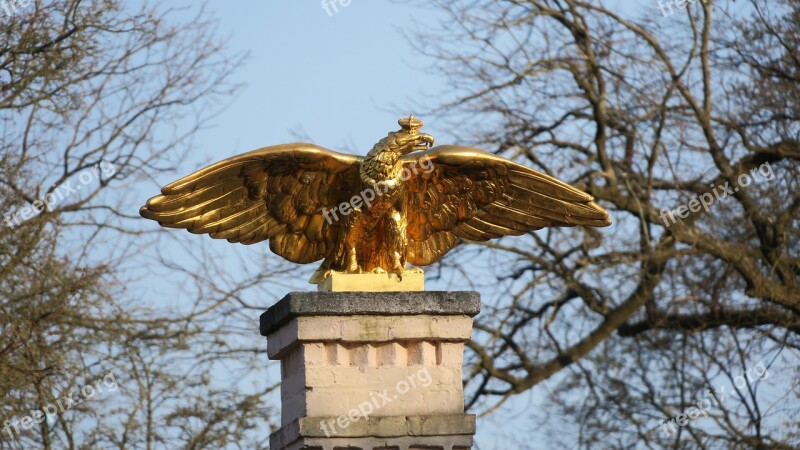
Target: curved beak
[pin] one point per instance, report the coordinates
(424, 142)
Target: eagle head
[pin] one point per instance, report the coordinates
(408, 138)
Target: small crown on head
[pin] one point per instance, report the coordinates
(410, 124)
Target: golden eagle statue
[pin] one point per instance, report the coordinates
(404, 202)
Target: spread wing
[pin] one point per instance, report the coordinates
(276, 193)
(460, 192)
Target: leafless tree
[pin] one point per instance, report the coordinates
(631, 325)
(94, 97)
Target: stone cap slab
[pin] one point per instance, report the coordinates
(296, 304)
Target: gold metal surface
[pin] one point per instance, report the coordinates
(412, 280)
(404, 202)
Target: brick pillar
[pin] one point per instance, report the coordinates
(371, 371)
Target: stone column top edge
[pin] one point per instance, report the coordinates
(297, 304)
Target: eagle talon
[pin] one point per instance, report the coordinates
(398, 268)
(399, 273)
(353, 266)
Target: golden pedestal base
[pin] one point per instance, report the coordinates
(413, 280)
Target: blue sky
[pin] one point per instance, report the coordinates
(335, 77)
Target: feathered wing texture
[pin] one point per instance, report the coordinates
(475, 195)
(276, 193)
